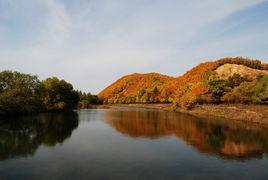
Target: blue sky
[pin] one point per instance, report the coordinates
(91, 43)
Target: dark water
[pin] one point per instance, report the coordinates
(131, 144)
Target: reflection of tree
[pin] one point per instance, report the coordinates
(227, 139)
(21, 137)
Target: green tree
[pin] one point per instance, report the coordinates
(59, 95)
(19, 93)
(260, 91)
(218, 88)
(155, 90)
(87, 99)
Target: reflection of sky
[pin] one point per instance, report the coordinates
(77, 39)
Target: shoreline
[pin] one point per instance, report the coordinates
(235, 112)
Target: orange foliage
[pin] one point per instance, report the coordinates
(140, 88)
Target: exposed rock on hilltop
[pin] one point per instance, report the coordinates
(228, 70)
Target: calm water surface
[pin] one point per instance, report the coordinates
(122, 143)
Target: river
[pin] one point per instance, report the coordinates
(131, 143)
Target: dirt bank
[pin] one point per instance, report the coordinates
(241, 112)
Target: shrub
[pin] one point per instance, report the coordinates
(236, 80)
(218, 88)
(240, 94)
(260, 91)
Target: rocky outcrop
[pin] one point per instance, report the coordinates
(228, 70)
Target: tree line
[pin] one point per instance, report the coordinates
(25, 94)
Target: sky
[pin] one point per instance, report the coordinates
(92, 43)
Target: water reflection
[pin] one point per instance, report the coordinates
(22, 136)
(233, 140)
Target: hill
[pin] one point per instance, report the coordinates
(136, 88)
(228, 80)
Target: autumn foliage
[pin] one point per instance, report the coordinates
(201, 84)
(137, 88)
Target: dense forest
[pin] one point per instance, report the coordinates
(228, 80)
(25, 94)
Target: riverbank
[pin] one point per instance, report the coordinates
(240, 112)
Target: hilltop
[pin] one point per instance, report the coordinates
(136, 88)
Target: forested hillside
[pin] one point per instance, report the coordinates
(228, 80)
(137, 88)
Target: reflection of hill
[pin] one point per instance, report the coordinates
(22, 137)
(229, 140)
